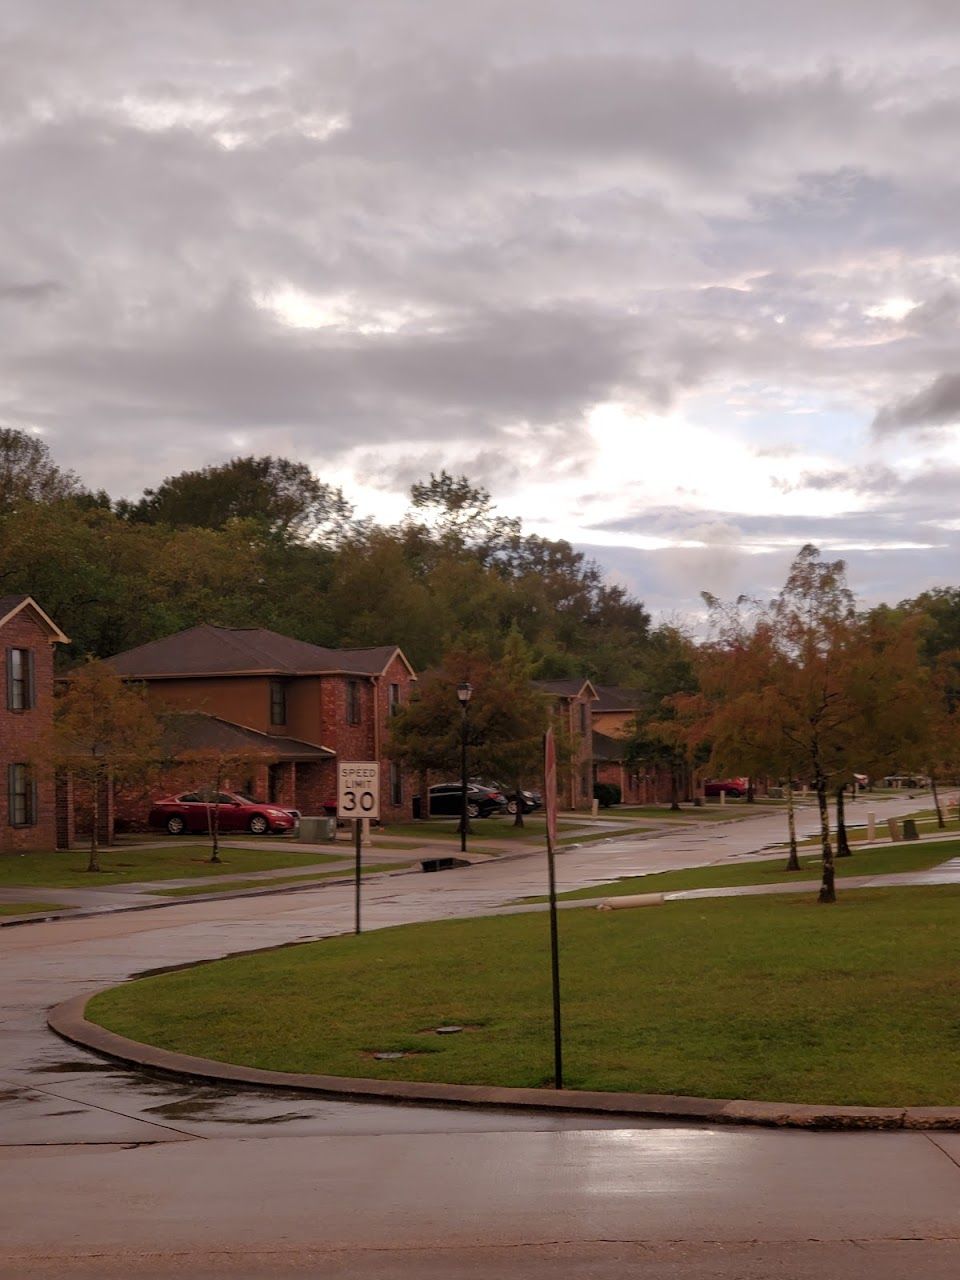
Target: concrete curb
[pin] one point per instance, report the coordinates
(68, 1020)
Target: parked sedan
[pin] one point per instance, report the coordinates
(447, 798)
(734, 787)
(192, 812)
(527, 800)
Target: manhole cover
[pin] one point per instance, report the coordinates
(448, 1031)
(388, 1057)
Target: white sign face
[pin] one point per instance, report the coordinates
(358, 789)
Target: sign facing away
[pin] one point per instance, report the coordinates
(358, 789)
(550, 785)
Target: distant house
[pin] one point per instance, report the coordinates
(572, 701)
(614, 713)
(29, 817)
(300, 706)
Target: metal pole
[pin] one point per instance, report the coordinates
(550, 803)
(463, 781)
(555, 969)
(358, 837)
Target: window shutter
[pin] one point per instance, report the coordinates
(31, 698)
(33, 816)
(9, 679)
(11, 783)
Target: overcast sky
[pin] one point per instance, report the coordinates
(678, 280)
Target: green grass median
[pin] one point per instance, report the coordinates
(866, 862)
(68, 869)
(770, 998)
(28, 908)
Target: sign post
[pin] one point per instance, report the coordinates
(550, 806)
(358, 797)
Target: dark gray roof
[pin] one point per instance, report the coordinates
(195, 731)
(615, 698)
(607, 748)
(9, 603)
(207, 651)
(566, 688)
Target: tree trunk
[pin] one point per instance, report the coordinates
(751, 797)
(843, 844)
(518, 816)
(674, 790)
(93, 863)
(213, 822)
(936, 803)
(793, 861)
(828, 892)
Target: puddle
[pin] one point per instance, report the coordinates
(63, 1068)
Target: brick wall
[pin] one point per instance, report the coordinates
(22, 731)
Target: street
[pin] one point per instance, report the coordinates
(107, 1172)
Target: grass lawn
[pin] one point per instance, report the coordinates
(868, 862)
(25, 908)
(229, 886)
(67, 870)
(772, 998)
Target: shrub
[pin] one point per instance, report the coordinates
(608, 793)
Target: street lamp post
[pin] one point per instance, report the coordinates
(464, 692)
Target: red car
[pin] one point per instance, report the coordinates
(235, 812)
(734, 787)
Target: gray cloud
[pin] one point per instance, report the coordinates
(554, 205)
(936, 405)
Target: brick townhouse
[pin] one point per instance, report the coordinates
(572, 701)
(28, 810)
(298, 706)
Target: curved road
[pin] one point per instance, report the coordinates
(107, 1173)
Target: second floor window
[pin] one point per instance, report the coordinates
(278, 702)
(394, 699)
(353, 702)
(20, 694)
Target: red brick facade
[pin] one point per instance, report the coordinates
(346, 712)
(22, 731)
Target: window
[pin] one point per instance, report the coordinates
(20, 695)
(396, 784)
(278, 702)
(583, 717)
(394, 699)
(22, 797)
(353, 702)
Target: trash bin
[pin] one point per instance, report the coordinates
(416, 807)
(330, 828)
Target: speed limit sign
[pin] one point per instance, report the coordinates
(358, 789)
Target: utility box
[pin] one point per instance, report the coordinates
(318, 830)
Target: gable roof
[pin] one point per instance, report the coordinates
(197, 731)
(615, 698)
(567, 688)
(206, 650)
(606, 748)
(10, 606)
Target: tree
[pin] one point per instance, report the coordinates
(282, 496)
(103, 733)
(505, 723)
(211, 770)
(28, 472)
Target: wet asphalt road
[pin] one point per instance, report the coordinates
(104, 1171)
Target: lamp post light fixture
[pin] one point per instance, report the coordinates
(464, 693)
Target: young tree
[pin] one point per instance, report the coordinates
(103, 733)
(505, 721)
(212, 771)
